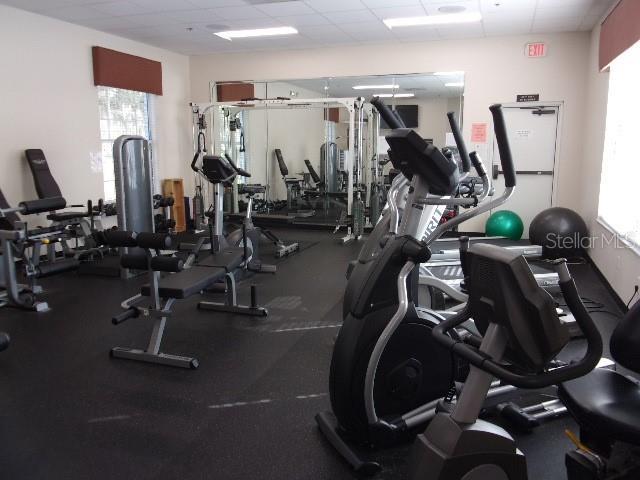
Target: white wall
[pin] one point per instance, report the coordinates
(620, 266)
(49, 102)
(496, 70)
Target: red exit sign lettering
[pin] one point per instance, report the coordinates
(534, 50)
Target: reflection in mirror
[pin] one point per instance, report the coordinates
(318, 146)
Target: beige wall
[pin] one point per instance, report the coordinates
(620, 266)
(496, 70)
(49, 102)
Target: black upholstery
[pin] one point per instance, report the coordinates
(314, 175)
(605, 403)
(218, 170)
(186, 283)
(229, 259)
(8, 221)
(625, 341)
(411, 154)
(284, 171)
(45, 184)
(503, 290)
(66, 216)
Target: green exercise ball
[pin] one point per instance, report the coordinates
(504, 223)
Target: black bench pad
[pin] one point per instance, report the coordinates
(65, 216)
(186, 283)
(229, 259)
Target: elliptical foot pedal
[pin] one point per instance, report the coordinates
(328, 425)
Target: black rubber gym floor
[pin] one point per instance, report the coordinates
(69, 411)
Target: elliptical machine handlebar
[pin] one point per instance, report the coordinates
(504, 149)
(510, 179)
(540, 380)
(462, 147)
(394, 121)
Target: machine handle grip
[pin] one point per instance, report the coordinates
(387, 114)
(240, 171)
(284, 171)
(462, 147)
(477, 164)
(194, 162)
(502, 139)
(43, 205)
(131, 312)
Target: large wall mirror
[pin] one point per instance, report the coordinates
(317, 145)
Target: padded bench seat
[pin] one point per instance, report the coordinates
(229, 259)
(66, 216)
(186, 283)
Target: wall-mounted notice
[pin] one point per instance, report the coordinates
(530, 97)
(535, 50)
(478, 133)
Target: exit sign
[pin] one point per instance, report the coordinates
(535, 50)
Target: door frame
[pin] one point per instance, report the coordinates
(559, 104)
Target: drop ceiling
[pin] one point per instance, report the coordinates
(187, 26)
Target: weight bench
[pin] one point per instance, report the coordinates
(80, 222)
(17, 242)
(181, 283)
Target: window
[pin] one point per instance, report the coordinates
(122, 112)
(621, 163)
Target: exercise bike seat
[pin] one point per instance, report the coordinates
(605, 402)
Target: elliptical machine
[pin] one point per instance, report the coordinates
(387, 371)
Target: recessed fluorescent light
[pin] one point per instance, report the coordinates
(375, 87)
(447, 74)
(454, 84)
(466, 17)
(394, 95)
(258, 32)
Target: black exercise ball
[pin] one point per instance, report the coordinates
(560, 231)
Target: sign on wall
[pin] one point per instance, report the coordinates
(530, 97)
(535, 50)
(478, 133)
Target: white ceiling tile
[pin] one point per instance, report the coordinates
(434, 8)
(217, 3)
(507, 28)
(119, 9)
(589, 21)
(390, 3)
(108, 23)
(240, 12)
(74, 13)
(402, 11)
(325, 33)
(567, 24)
(334, 5)
(586, 4)
(152, 19)
(370, 35)
(248, 23)
(285, 8)
(149, 32)
(559, 12)
(415, 34)
(361, 27)
(303, 20)
(513, 16)
(461, 31)
(600, 7)
(163, 5)
(493, 6)
(194, 16)
(351, 16)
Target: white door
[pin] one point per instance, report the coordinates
(532, 132)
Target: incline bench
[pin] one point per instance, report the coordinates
(180, 284)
